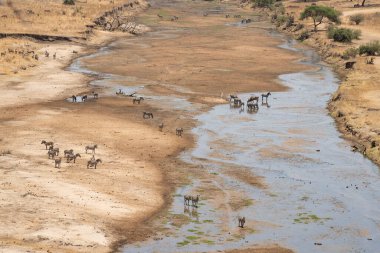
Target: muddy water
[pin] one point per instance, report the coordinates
(320, 196)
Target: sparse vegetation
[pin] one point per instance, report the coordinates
(350, 53)
(357, 19)
(263, 3)
(342, 34)
(304, 35)
(318, 13)
(371, 48)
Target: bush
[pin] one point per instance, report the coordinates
(357, 19)
(263, 3)
(342, 34)
(69, 2)
(350, 53)
(304, 35)
(371, 48)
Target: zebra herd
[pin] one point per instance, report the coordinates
(69, 155)
(252, 102)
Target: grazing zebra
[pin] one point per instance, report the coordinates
(72, 157)
(160, 127)
(179, 132)
(174, 18)
(47, 143)
(265, 96)
(84, 98)
(68, 152)
(74, 98)
(57, 162)
(147, 115)
(93, 163)
(137, 100)
(252, 107)
(241, 221)
(93, 147)
(195, 200)
(187, 199)
(51, 154)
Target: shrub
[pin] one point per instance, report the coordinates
(371, 48)
(342, 34)
(357, 19)
(350, 53)
(69, 2)
(263, 3)
(304, 35)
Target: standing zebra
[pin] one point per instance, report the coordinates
(93, 147)
(265, 96)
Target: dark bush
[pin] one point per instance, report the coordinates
(69, 2)
(303, 36)
(263, 3)
(342, 34)
(371, 48)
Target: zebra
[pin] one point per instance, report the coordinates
(47, 143)
(195, 200)
(253, 99)
(241, 221)
(227, 15)
(119, 92)
(252, 107)
(68, 152)
(93, 163)
(160, 127)
(147, 115)
(51, 154)
(137, 100)
(187, 199)
(72, 157)
(84, 98)
(174, 18)
(179, 132)
(265, 96)
(55, 150)
(74, 98)
(233, 97)
(93, 147)
(57, 162)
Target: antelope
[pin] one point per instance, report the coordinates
(179, 132)
(265, 96)
(47, 143)
(93, 163)
(84, 98)
(96, 96)
(93, 147)
(57, 162)
(51, 153)
(194, 200)
(370, 60)
(74, 98)
(160, 127)
(187, 199)
(147, 115)
(68, 152)
(137, 100)
(241, 221)
(72, 157)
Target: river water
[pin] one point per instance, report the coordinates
(320, 196)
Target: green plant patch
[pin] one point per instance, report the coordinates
(183, 243)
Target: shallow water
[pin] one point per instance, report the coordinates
(319, 191)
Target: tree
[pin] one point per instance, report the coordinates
(318, 13)
(363, 3)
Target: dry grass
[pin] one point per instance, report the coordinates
(51, 17)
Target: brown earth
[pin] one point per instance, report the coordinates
(75, 209)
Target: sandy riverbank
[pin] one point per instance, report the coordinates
(354, 106)
(74, 209)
